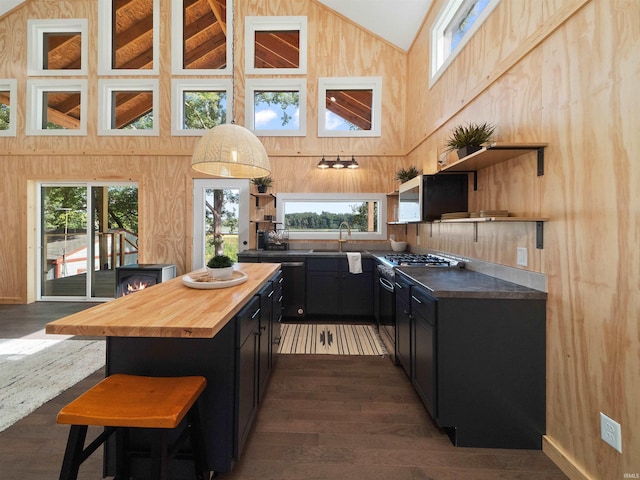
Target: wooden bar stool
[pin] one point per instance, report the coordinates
(120, 402)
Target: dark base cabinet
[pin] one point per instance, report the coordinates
(333, 291)
(477, 364)
(236, 362)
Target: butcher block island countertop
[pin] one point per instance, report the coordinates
(168, 309)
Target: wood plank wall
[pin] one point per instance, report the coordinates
(161, 165)
(561, 72)
(557, 71)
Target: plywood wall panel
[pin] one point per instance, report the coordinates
(572, 89)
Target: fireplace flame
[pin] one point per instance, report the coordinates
(135, 287)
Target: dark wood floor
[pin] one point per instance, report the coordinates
(323, 417)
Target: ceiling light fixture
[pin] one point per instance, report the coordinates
(338, 164)
(230, 150)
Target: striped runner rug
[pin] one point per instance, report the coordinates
(338, 339)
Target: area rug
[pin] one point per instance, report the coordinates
(338, 339)
(33, 371)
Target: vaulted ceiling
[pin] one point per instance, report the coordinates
(204, 47)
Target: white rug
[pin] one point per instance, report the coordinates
(35, 370)
(336, 339)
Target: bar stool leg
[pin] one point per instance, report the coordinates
(159, 455)
(73, 452)
(197, 444)
(122, 448)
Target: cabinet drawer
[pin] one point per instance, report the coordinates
(249, 320)
(403, 288)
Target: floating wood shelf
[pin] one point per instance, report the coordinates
(539, 221)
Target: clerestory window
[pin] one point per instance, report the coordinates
(456, 24)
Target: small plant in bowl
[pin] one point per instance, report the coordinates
(467, 139)
(262, 183)
(406, 174)
(220, 267)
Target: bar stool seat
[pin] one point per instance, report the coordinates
(120, 402)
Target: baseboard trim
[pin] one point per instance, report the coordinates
(562, 460)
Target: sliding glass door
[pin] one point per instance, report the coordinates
(86, 231)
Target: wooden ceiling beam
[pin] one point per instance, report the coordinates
(216, 8)
(210, 53)
(62, 119)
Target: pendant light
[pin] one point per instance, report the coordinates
(230, 150)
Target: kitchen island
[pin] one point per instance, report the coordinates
(171, 330)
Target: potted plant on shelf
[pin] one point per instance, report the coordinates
(467, 139)
(406, 174)
(220, 267)
(262, 183)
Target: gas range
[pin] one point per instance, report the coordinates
(420, 260)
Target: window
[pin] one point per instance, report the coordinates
(57, 47)
(7, 108)
(128, 37)
(128, 107)
(276, 107)
(276, 45)
(349, 107)
(199, 105)
(201, 40)
(56, 107)
(455, 25)
(317, 216)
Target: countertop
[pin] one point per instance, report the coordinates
(463, 283)
(168, 309)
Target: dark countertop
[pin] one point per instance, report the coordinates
(463, 283)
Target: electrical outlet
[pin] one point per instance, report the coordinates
(610, 432)
(522, 256)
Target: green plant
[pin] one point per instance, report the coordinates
(262, 181)
(470, 135)
(219, 261)
(405, 174)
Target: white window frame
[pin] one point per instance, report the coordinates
(10, 85)
(350, 83)
(177, 53)
(441, 58)
(35, 105)
(265, 24)
(179, 86)
(105, 108)
(35, 44)
(276, 85)
(381, 198)
(105, 38)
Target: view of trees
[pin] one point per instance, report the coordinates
(4, 116)
(358, 219)
(67, 207)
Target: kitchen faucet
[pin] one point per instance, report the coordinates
(340, 240)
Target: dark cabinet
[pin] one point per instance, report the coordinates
(423, 347)
(477, 363)
(403, 323)
(277, 316)
(247, 361)
(333, 291)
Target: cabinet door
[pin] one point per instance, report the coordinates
(357, 290)
(276, 317)
(247, 371)
(403, 334)
(264, 362)
(323, 286)
(423, 366)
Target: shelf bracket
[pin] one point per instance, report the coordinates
(541, 161)
(539, 235)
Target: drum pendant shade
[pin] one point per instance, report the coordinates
(231, 151)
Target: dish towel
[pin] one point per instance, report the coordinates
(355, 262)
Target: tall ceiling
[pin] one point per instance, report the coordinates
(397, 21)
(204, 47)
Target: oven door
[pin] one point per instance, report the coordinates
(387, 316)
